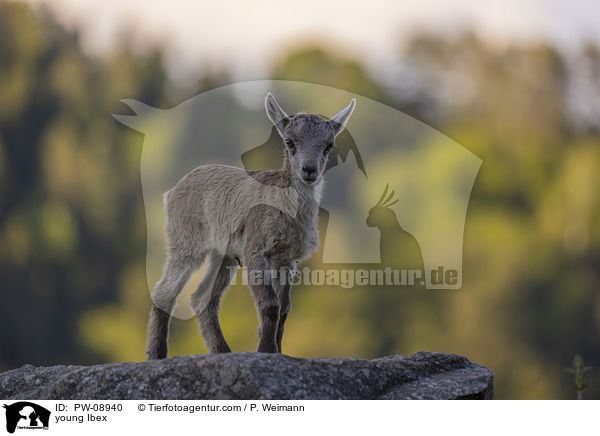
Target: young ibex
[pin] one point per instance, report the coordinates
(265, 219)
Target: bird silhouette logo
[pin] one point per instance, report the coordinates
(398, 248)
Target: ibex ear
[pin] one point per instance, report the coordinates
(338, 122)
(277, 115)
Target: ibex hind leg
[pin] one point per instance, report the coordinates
(206, 300)
(172, 282)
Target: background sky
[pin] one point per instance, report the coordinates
(247, 37)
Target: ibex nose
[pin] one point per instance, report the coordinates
(309, 173)
(309, 169)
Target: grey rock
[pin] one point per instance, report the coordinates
(421, 375)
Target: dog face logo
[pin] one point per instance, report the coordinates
(26, 415)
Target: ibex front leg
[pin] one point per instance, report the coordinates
(282, 289)
(267, 305)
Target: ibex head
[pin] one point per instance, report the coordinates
(308, 138)
(381, 215)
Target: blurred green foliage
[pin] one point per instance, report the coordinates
(72, 224)
(578, 372)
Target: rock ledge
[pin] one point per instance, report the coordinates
(421, 375)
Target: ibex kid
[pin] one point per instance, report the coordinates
(265, 219)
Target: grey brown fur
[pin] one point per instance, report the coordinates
(265, 219)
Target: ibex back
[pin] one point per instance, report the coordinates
(265, 219)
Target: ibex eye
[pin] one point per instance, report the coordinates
(290, 144)
(328, 148)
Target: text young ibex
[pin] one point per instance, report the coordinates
(265, 219)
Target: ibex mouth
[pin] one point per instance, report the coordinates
(309, 180)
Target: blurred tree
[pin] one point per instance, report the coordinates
(317, 65)
(71, 215)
